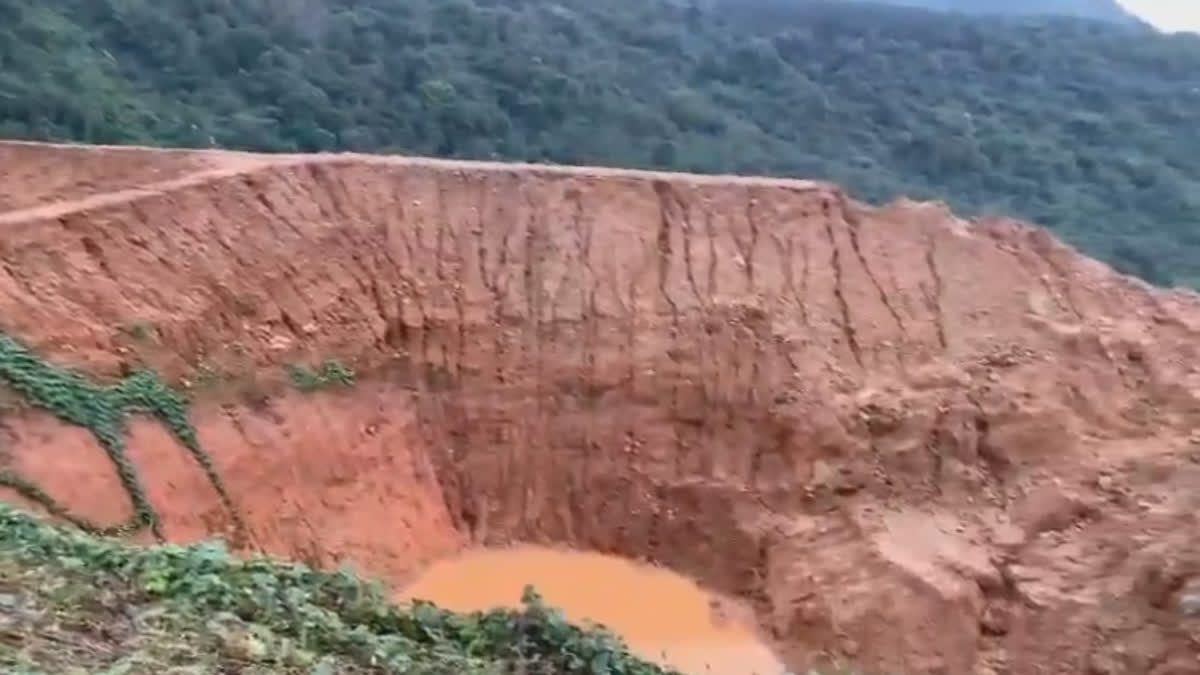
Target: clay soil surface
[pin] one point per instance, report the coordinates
(904, 441)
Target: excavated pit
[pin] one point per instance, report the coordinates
(907, 442)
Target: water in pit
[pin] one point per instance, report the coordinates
(663, 617)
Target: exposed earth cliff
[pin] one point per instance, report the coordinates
(912, 443)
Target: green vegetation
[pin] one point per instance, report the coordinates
(331, 373)
(74, 603)
(1086, 127)
(76, 399)
(140, 331)
(1101, 10)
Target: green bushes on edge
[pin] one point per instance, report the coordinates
(326, 613)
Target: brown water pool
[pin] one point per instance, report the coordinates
(663, 616)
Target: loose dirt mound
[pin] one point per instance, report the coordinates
(912, 443)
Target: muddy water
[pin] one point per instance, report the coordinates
(663, 616)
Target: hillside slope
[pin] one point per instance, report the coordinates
(1086, 128)
(1100, 10)
(908, 442)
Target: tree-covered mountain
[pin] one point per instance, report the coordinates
(1100, 10)
(1085, 127)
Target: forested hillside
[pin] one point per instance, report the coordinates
(1088, 128)
(1100, 10)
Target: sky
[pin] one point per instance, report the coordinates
(1168, 15)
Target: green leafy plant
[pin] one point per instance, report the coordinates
(330, 373)
(103, 410)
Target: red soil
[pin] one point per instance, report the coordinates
(912, 443)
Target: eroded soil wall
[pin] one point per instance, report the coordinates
(912, 443)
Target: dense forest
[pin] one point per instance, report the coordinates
(1090, 128)
(1100, 10)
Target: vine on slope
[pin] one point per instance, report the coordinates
(103, 410)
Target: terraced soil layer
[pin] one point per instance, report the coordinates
(911, 443)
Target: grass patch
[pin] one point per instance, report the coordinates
(103, 409)
(328, 374)
(140, 331)
(71, 602)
